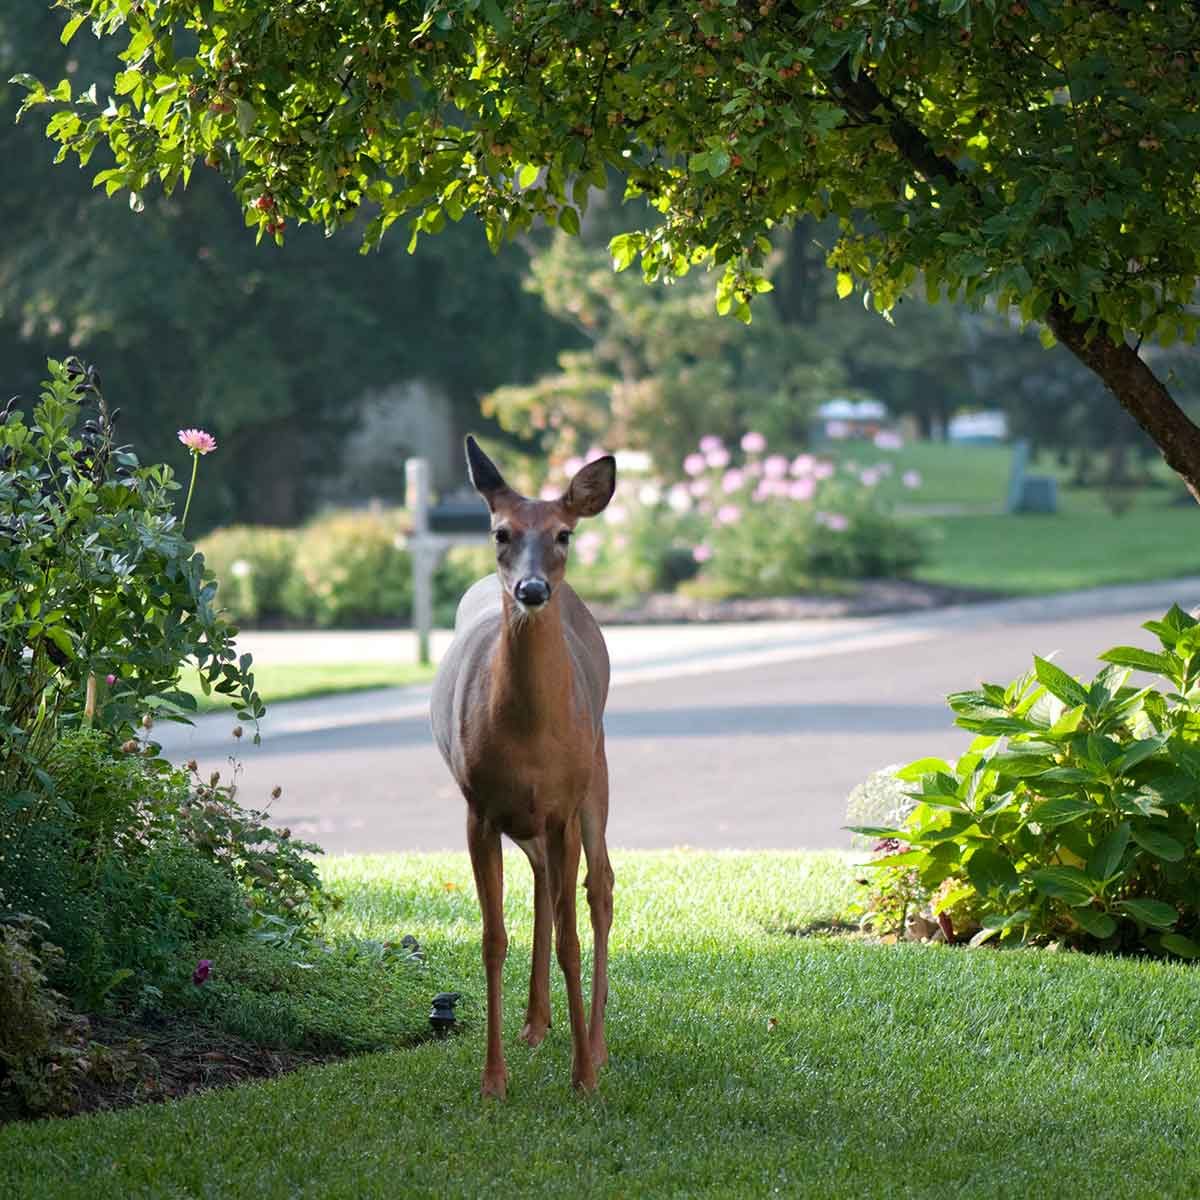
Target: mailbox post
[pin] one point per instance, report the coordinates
(435, 528)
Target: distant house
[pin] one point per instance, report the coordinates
(840, 418)
(983, 428)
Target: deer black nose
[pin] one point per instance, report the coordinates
(532, 592)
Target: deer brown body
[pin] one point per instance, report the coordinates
(517, 709)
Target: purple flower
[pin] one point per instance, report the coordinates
(823, 470)
(869, 477)
(594, 452)
(679, 498)
(698, 487)
(197, 441)
(587, 547)
(911, 479)
(710, 443)
(775, 467)
(717, 458)
(702, 553)
(549, 492)
(110, 679)
(886, 439)
(803, 464)
(733, 480)
(572, 465)
(202, 971)
(754, 443)
(728, 514)
(836, 522)
(694, 464)
(802, 489)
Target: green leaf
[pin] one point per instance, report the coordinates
(1058, 683)
(914, 772)
(718, 162)
(1154, 913)
(1141, 660)
(1136, 752)
(987, 869)
(845, 284)
(568, 221)
(1098, 924)
(1106, 858)
(1061, 810)
(1064, 883)
(1161, 845)
(1176, 943)
(527, 176)
(72, 28)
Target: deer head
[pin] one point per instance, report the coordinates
(532, 536)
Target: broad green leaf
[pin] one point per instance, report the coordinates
(988, 869)
(568, 220)
(527, 175)
(1064, 883)
(1141, 660)
(1059, 683)
(1176, 943)
(1106, 858)
(914, 772)
(72, 28)
(1154, 913)
(1137, 752)
(1061, 810)
(1098, 924)
(1160, 844)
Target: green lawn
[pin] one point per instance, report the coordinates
(905, 1071)
(302, 682)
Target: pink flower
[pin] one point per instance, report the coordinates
(837, 430)
(615, 514)
(886, 439)
(698, 487)
(836, 522)
(775, 487)
(911, 479)
(775, 467)
(587, 547)
(197, 441)
(679, 499)
(717, 458)
(594, 452)
(572, 466)
(702, 552)
(110, 679)
(733, 480)
(803, 464)
(869, 477)
(549, 492)
(728, 514)
(202, 971)
(710, 443)
(802, 489)
(694, 464)
(823, 470)
(754, 443)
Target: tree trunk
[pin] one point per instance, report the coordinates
(1140, 392)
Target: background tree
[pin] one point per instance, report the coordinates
(1041, 155)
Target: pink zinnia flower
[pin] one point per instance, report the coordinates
(803, 464)
(775, 467)
(733, 480)
(754, 443)
(710, 443)
(728, 514)
(694, 464)
(823, 470)
(702, 553)
(802, 489)
(197, 441)
(776, 487)
(202, 971)
(717, 458)
(698, 487)
(911, 479)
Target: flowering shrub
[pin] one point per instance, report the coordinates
(102, 599)
(1073, 817)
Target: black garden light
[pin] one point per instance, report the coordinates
(442, 1017)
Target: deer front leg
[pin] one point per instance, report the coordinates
(488, 864)
(563, 861)
(599, 883)
(537, 1014)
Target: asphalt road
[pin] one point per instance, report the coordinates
(750, 740)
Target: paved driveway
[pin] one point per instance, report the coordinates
(737, 736)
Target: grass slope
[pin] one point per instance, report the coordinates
(901, 1072)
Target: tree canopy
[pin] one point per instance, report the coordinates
(1039, 155)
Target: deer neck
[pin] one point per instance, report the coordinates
(531, 671)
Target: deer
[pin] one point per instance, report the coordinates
(517, 710)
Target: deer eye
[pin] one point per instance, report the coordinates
(564, 537)
(502, 536)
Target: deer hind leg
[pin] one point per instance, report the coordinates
(488, 864)
(599, 884)
(563, 862)
(537, 1014)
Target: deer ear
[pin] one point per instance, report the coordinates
(485, 478)
(592, 488)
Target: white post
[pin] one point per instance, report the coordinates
(424, 559)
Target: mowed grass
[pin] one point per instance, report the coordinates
(277, 683)
(745, 1062)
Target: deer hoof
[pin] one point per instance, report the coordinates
(584, 1080)
(534, 1032)
(494, 1085)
